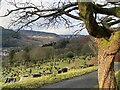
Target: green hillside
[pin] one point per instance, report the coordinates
(24, 38)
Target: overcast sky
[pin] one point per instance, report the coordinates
(61, 30)
(6, 20)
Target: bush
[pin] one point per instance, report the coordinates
(70, 55)
(21, 57)
(75, 64)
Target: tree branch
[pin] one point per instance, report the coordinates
(52, 15)
(73, 16)
(115, 11)
(91, 25)
(28, 23)
(107, 22)
(113, 23)
(44, 10)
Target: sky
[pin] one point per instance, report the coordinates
(5, 21)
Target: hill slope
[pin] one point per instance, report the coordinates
(24, 38)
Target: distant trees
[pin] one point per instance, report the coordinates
(50, 52)
(32, 55)
(11, 56)
(78, 46)
(86, 50)
(61, 43)
(64, 48)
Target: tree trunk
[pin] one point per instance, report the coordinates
(107, 50)
(106, 74)
(108, 46)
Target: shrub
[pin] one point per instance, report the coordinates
(75, 64)
(70, 55)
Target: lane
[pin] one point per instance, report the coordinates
(77, 82)
(86, 81)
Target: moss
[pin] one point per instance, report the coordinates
(118, 12)
(115, 36)
(104, 43)
(115, 11)
(85, 8)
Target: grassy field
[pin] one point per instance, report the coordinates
(49, 79)
(24, 70)
(118, 78)
(30, 82)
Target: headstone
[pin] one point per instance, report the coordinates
(64, 70)
(8, 80)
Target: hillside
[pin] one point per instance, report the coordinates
(43, 37)
(78, 44)
(24, 38)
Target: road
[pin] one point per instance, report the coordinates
(85, 81)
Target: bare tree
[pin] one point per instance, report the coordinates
(98, 19)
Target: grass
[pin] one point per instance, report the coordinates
(118, 78)
(23, 70)
(49, 79)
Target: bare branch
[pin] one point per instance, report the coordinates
(107, 22)
(27, 23)
(107, 11)
(113, 23)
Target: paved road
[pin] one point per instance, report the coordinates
(85, 81)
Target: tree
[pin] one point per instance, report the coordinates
(37, 54)
(26, 54)
(100, 27)
(22, 57)
(69, 54)
(11, 56)
(50, 52)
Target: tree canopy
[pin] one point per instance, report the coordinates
(103, 15)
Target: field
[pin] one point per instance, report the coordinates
(49, 79)
(30, 82)
(118, 78)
